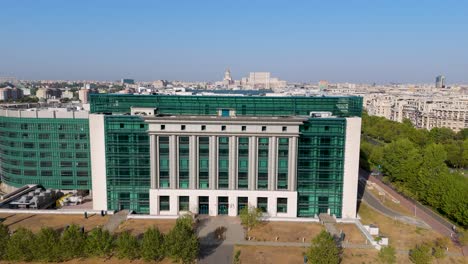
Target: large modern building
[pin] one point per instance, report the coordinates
(164, 155)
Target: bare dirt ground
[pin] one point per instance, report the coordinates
(285, 231)
(401, 236)
(139, 226)
(270, 255)
(59, 222)
(286, 255)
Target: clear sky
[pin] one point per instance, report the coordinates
(356, 41)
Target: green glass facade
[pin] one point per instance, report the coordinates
(127, 162)
(53, 152)
(244, 105)
(320, 166)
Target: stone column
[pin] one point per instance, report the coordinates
(193, 161)
(233, 163)
(173, 161)
(292, 163)
(213, 163)
(272, 163)
(253, 153)
(153, 161)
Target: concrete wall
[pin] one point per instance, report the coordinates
(98, 161)
(351, 167)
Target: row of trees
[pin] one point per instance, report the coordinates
(48, 245)
(386, 131)
(416, 162)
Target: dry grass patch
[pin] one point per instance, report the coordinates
(387, 201)
(352, 233)
(402, 236)
(59, 222)
(285, 231)
(139, 226)
(270, 255)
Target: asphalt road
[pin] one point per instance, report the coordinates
(435, 221)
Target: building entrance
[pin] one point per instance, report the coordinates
(223, 205)
(203, 205)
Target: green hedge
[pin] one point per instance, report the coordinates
(48, 245)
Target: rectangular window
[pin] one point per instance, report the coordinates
(203, 127)
(263, 128)
(223, 128)
(262, 204)
(285, 129)
(183, 203)
(46, 164)
(164, 203)
(282, 205)
(182, 127)
(244, 128)
(66, 173)
(242, 202)
(163, 127)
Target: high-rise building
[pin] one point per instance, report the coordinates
(165, 155)
(127, 81)
(440, 81)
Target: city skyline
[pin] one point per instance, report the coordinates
(360, 42)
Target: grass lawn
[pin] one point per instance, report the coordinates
(59, 222)
(285, 231)
(401, 236)
(387, 201)
(139, 226)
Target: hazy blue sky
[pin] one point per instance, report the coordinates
(355, 41)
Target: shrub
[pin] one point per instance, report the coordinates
(127, 246)
(4, 237)
(152, 245)
(72, 243)
(324, 250)
(440, 247)
(387, 255)
(99, 243)
(182, 243)
(46, 246)
(421, 254)
(20, 246)
(250, 216)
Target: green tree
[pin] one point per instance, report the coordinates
(250, 217)
(127, 246)
(152, 245)
(181, 242)
(387, 255)
(20, 246)
(47, 245)
(4, 237)
(324, 250)
(72, 243)
(421, 254)
(428, 186)
(99, 243)
(401, 161)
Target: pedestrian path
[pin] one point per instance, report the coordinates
(217, 236)
(115, 220)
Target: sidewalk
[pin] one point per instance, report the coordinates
(434, 221)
